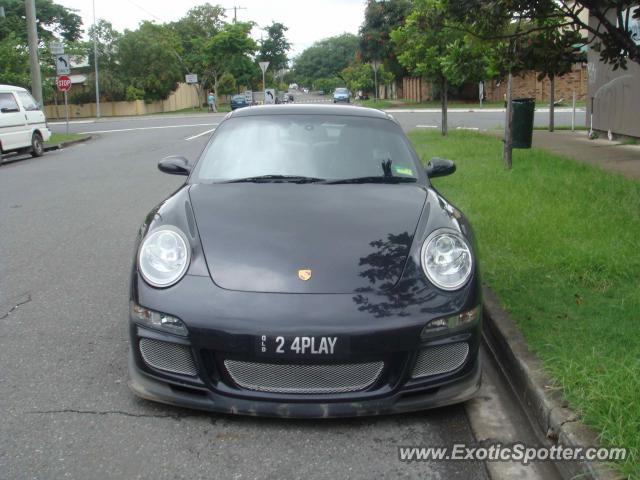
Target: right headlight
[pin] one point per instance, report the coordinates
(164, 256)
(446, 259)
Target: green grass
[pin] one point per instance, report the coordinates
(559, 243)
(57, 138)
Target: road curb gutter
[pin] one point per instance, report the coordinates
(543, 403)
(68, 143)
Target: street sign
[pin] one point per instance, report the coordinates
(264, 66)
(62, 64)
(56, 48)
(191, 78)
(63, 83)
(248, 96)
(269, 96)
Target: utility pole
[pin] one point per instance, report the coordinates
(34, 62)
(235, 12)
(95, 60)
(376, 65)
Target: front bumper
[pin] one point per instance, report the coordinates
(225, 325)
(150, 388)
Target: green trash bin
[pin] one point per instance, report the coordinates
(523, 109)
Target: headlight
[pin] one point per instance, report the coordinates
(164, 256)
(446, 259)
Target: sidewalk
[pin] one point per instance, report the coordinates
(613, 156)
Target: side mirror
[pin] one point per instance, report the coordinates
(440, 167)
(175, 165)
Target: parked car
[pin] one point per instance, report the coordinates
(306, 268)
(341, 95)
(239, 101)
(23, 126)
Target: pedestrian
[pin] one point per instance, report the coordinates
(211, 100)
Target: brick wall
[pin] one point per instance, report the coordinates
(526, 85)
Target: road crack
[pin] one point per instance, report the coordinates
(23, 299)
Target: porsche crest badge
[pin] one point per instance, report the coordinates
(304, 274)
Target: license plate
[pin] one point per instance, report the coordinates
(302, 346)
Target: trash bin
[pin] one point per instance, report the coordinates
(523, 109)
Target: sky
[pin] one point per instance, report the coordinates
(307, 21)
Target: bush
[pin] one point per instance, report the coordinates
(133, 93)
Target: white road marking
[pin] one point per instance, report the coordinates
(468, 128)
(427, 126)
(150, 128)
(477, 110)
(72, 122)
(200, 134)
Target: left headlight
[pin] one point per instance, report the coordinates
(164, 256)
(446, 259)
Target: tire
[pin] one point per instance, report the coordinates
(37, 145)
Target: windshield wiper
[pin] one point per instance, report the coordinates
(385, 179)
(275, 179)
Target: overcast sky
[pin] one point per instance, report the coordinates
(307, 21)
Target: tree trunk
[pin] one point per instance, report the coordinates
(552, 94)
(444, 96)
(508, 140)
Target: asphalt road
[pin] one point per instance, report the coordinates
(67, 226)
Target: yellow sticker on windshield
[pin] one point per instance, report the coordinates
(403, 170)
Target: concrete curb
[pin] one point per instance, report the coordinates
(543, 402)
(67, 144)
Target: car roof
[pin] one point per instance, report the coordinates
(11, 88)
(311, 109)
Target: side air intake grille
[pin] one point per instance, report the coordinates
(167, 356)
(440, 359)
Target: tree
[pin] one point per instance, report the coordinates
(226, 84)
(326, 58)
(275, 47)
(230, 51)
(328, 84)
(194, 31)
(360, 76)
(148, 60)
(609, 32)
(112, 83)
(53, 21)
(14, 61)
(552, 52)
(427, 48)
(380, 19)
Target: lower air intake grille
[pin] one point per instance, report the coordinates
(304, 379)
(440, 359)
(167, 356)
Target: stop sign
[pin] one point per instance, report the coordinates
(64, 83)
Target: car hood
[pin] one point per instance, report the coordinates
(261, 237)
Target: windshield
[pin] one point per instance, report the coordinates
(321, 147)
(342, 90)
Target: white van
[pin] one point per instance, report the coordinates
(23, 126)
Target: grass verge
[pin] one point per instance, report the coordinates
(57, 138)
(559, 244)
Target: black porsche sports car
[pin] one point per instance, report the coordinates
(306, 268)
